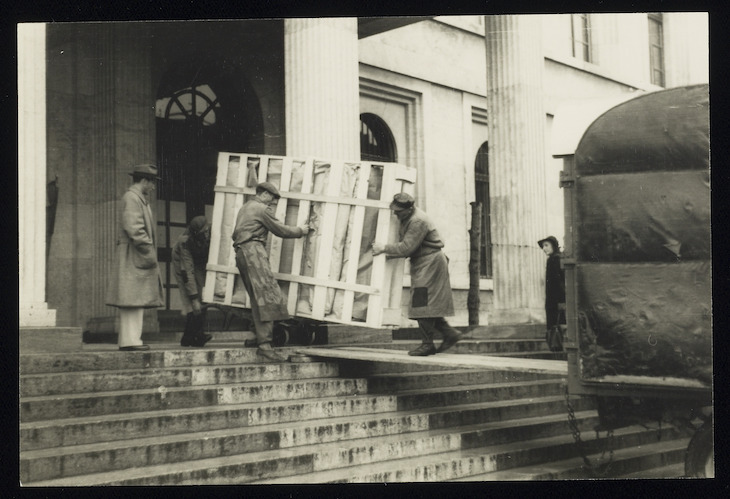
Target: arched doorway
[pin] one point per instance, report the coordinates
(201, 109)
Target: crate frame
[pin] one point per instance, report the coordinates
(386, 281)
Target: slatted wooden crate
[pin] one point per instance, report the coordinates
(329, 275)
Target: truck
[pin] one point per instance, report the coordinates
(638, 262)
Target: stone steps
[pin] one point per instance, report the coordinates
(664, 459)
(483, 463)
(118, 402)
(218, 415)
(351, 443)
(169, 377)
(110, 427)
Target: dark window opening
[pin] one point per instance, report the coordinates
(481, 183)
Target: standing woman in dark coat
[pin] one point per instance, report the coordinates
(554, 282)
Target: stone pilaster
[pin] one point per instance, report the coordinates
(322, 88)
(34, 311)
(515, 65)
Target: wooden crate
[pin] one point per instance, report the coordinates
(330, 275)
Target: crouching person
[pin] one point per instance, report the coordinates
(255, 220)
(189, 257)
(431, 298)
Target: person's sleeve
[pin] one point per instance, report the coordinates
(412, 239)
(277, 228)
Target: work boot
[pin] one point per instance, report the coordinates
(268, 353)
(201, 340)
(449, 341)
(423, 350)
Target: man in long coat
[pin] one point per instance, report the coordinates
(255, 220)
(189, 258)
(135, 282)
(430, 299)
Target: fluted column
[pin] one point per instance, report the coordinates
(322, 88)
(34, 310)
(516, 166)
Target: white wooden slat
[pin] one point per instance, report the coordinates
(360, 288)
(355, 230)
(215, 232)
(327, 229)
(371, 203)
(394, 267)
(375, 303)
(302, 218)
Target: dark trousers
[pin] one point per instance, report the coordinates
(264, 329)
(194, 326)
(431, 325)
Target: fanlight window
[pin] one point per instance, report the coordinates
(199, 103)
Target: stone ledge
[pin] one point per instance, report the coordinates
(50, 339)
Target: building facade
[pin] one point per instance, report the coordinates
(470, 101)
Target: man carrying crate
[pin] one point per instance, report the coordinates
(431, 298)
(255, 220)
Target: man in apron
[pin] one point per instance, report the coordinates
(255, 220)
(431, 299)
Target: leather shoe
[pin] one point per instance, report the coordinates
(271, 355)
(449, 342)
(423, 350)
(133, 348)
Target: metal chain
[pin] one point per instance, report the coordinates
(593, 469)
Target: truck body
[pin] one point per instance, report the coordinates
(637, 260)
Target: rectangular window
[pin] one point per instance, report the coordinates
(656, 49)
(581, 36)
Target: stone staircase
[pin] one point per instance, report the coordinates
(174, 416)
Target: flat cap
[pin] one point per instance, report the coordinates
(402, 201)
(145, 170)
(268, 187)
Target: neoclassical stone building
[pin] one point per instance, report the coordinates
(469, 101)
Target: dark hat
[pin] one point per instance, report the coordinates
(198, 224)
(146, 170)
(268, 187)
(402, 201)
(552, 240)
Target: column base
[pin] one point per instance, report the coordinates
(37, 315)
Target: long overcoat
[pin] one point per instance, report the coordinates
(135, 280)
(188, 264)
(430, 283)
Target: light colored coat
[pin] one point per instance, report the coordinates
(135, 280)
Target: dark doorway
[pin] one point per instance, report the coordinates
(201, 109)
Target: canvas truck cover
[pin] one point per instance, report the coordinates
(642, 243)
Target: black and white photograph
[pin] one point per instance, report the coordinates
(335, 250)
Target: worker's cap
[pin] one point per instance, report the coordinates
(199, 224)
(550, 239)
(402, 201)
(268, 187)
(145, 170)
